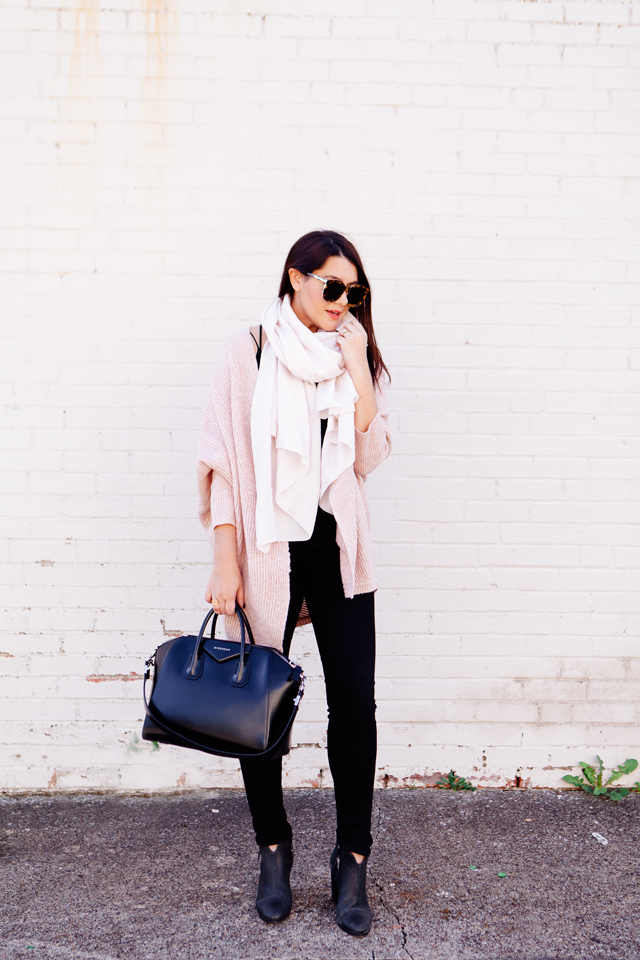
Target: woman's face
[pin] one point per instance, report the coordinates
(308, 303)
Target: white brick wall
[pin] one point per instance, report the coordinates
(159, 160)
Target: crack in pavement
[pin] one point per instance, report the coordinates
(386, 906)
(390, 910)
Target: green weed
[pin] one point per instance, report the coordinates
(453, 782)
(593, 780)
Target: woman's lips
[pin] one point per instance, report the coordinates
(335, 314)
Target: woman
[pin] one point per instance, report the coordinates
(295, 420)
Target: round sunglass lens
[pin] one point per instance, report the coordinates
(333, 290)
(357, 294)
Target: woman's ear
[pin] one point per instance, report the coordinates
(296, 278)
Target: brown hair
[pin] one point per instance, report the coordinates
(308, 254)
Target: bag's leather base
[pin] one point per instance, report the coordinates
(221, 748)
(150, 731)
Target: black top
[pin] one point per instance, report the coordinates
(324, 532)
(325, 529)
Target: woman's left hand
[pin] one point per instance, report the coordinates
(352, 340)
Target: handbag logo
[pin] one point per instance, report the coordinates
(226, 649)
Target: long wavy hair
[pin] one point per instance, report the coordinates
(308, 254)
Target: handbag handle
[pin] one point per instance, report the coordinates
(197, 650)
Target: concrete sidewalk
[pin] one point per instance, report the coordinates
(172, 878)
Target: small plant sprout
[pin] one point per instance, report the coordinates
(593, 780)
(453, 782)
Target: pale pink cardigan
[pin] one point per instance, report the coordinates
(227, 494)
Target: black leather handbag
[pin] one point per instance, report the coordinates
(227, 698)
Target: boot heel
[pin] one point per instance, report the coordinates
(333, 863)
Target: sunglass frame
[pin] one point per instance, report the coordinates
(345, 286)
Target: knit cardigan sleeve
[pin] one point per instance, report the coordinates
(215, 490)
(374, 446)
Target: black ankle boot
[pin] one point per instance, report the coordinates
(273, 902)
(349, 892)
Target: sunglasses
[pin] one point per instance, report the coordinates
(333, 289)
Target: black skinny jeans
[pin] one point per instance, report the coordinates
(345, 633)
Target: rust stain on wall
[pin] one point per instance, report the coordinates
(85, 80)
(101, 677)
(160, 26)
(169, 632)
(85, 36)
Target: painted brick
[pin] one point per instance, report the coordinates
(486, 177)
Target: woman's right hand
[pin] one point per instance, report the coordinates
(225, 586)
(225, 581)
